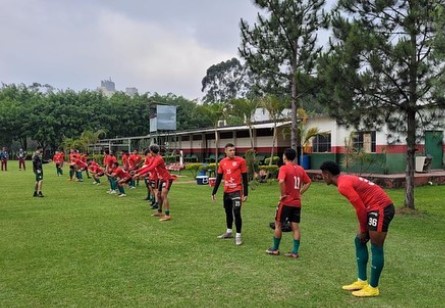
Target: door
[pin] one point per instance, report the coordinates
(434, 148)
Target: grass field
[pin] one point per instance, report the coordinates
(81, 247)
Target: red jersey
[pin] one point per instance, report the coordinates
(157, 165)
(95, 168)
(232, 170)
(364, 195)
(120, 173)
(58, 158)
(80, 163)
(293, 176)
(133, 161)
(109, 161)
(73, 157)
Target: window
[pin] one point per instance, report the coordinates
(364, 141)
(321, 143)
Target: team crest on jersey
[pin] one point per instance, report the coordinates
(234, 164)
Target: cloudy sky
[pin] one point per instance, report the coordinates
(154, 45)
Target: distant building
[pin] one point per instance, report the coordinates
(131, 91)
(107, 87)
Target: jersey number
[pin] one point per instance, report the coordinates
(296, 182)
(372, 222)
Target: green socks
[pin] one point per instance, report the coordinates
(167, 212)
(376, 265)
(276, 243)
(361, 252)
(296, 246)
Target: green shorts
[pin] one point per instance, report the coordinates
(39, 175)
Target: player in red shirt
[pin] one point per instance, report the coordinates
(58, 160)
(74, 155)
(233, 169)
(157, 165)
(293, 181)
(375, 210)
(134, 162)
(122, 177)
(96, 171)
(109, 160)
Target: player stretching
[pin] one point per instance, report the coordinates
(293, 181)
(122, 177)
(374, 212)
(157, 165)
(234, 170)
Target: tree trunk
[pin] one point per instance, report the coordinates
(410, 159)
(293, 130)
(274, 140)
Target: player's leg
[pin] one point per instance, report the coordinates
(378, 223)
(236, 206)
(294, 218)
(277, 234)
(120, 187)
(228, 209)
(165, 186)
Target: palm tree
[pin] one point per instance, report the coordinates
(214, 113)
(246, 108)
(275, 106)
(86, 139)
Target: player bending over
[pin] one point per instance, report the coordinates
(375, 211)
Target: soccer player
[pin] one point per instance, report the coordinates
(134, 162)
(122, 177)
(375, 210)
(4, 156)
(58, 160)
(37, 167)
(293, 181)
(21, 156)
(96, 171)
(234, 171)
(157, 165)
(109, 160)
(73, 157)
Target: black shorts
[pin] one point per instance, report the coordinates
(232, 199)
(153, 183)
(39, 175)
(290, 213)
(165, 184)
(379, 220)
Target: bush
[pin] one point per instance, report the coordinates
(272, 171)
(194, 168)
(99, 158)
(168, 159)
(275, 160)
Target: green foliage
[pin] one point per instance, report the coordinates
(271, 170)
(275, 160)
(193, 168)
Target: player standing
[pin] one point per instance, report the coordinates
(37, 167)
(234, 171)
(375, 210)
(293, 181)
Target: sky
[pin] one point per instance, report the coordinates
(162, 46)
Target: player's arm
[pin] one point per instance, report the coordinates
(245, 185)
(218, 180)
(306, 183)
(358, 204)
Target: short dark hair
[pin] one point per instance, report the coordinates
(290, 154)
(39, 148)
(229, 145)
(154, 148)
(330, 166)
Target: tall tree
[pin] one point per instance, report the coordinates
(386, 66)
(225, 81)
(281, 47)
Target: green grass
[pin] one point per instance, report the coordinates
(80, 247)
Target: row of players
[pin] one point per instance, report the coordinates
(153, 170)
